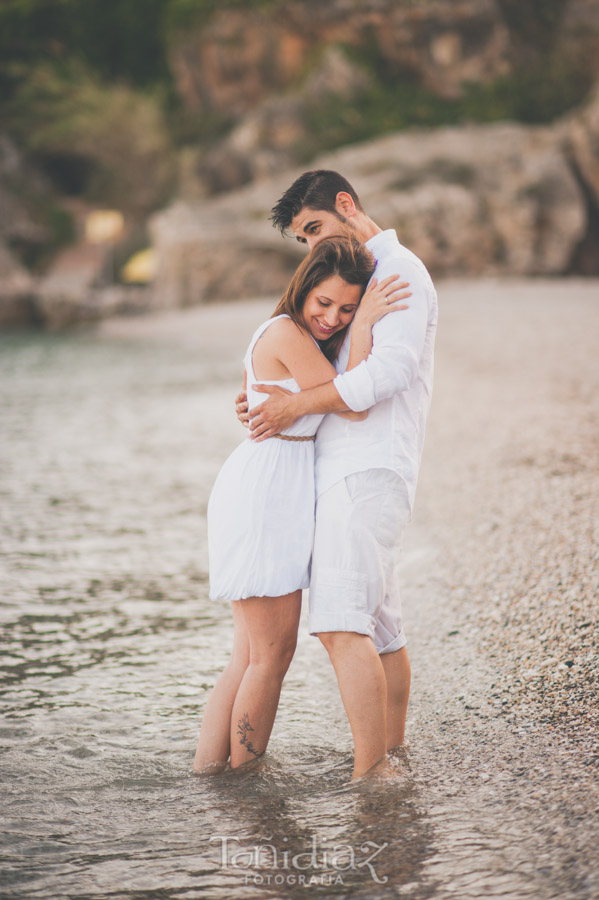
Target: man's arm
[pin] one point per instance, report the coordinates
(398, 342)
(284, 408)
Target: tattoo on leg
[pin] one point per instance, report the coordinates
(243, 727)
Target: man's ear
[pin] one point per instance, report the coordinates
(345, 205)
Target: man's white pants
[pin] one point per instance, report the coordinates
(354, 579)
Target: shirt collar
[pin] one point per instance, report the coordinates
(382, 239)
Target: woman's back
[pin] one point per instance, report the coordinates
(304, 426)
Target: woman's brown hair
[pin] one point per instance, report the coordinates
(342, 255)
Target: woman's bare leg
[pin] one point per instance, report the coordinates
(272, 624)
(215, 734)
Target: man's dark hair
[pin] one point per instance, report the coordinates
(314, 190)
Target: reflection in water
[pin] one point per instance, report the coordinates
(320, 836)
(101, 712)
(110, 646)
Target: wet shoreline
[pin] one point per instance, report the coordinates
(111, 441)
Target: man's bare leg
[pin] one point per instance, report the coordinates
(214, 746)
(396, 666)
(363, 689)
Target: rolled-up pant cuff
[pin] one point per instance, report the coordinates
(396, 644)
(359, 622)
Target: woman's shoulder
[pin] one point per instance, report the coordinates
(283, 328)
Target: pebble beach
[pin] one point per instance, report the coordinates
(111, 441)
(510, 488)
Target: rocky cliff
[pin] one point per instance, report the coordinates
(501, 199)
(289, 78)
(265, 89)
(245, 53)
(23, 231)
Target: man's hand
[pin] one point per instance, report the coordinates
(275, 414)
(241, 408)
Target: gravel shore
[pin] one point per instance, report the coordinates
(510, 487)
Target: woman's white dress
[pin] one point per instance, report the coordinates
(261, 509)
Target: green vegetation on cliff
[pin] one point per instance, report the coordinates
(102, 97)
(534, 95)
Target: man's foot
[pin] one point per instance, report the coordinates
(400, 758)
(382, 768)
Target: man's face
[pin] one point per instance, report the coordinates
(313, 225)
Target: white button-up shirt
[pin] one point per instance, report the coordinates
(394, 384)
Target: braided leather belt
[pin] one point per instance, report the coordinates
(292, 437)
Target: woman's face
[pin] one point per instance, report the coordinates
(330, 306)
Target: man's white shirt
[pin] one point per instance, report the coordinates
(394, 384)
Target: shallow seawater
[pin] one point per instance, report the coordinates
(110, 645)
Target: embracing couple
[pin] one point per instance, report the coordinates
(348, 367)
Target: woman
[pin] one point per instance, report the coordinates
(261, 510)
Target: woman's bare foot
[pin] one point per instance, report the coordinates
(250, 767)
(213, 768)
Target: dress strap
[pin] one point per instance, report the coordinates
(256, 337)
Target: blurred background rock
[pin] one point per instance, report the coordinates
(471, 126)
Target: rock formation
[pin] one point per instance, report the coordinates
(580, 140)
(233, 62)
(22, 193)
(269, 72)
(501, 199)
(260, 84)
(16, 292)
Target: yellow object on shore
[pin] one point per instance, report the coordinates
(141, 268)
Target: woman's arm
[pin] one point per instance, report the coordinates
(286, 347)
(292, 350)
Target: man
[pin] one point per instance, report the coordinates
(366, 472)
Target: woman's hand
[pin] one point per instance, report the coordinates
(241, 408)
(383, 298)
(241, 403)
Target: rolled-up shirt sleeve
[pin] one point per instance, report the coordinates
(398, 341)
